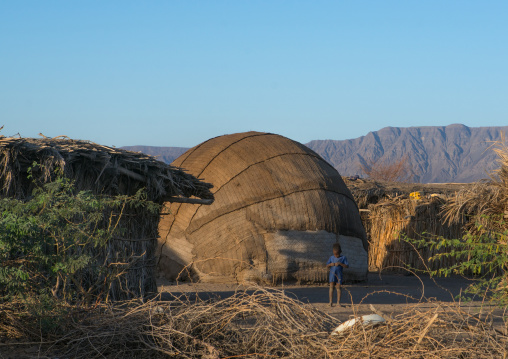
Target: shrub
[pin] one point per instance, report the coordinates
(54, 243)
(481, 253)
(397, 171)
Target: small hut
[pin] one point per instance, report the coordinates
(390, 214)
(105, 171)
(278, 209)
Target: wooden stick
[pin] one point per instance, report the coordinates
(425, 330)
(131, 174)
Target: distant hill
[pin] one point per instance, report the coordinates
(436, 154)
(165, 154)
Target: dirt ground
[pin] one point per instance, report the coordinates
(389, 293)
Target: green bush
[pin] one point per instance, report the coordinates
(481, 254)
(54, 243)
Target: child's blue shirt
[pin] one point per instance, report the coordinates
(336, 271)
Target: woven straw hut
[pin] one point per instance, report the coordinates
(105, 171)
(278, 209)
(390, 215)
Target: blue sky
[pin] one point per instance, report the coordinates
(175, 73)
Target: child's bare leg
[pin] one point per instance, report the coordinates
(332, 286)
(339, 293)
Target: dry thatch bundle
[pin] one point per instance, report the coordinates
(390, 221)
(278, 209)
(485, 203)
(258, 323)
(104, 171)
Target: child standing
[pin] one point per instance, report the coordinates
(336, 263)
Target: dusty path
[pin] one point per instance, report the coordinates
(389, 293)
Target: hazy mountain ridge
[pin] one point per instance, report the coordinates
(454, 153)
(164, 154)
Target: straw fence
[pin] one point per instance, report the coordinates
(389, 215)
(388, 223)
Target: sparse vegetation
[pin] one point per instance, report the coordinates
(382, 170)
(483, 256)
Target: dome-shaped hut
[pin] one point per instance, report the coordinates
(278, 209)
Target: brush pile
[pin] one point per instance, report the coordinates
(367, 192)
(256, 323)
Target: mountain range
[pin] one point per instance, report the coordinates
(164, 154)
(434, 154)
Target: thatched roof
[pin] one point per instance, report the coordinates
(265, 185)
(102, 169)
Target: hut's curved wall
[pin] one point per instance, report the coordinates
(278, 209)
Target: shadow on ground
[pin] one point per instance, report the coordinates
(379, 289)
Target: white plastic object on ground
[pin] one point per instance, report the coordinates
(371, 319)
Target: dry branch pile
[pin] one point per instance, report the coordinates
(367, 192)
(260, 323)
(439, 331)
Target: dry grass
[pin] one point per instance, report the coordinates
(485, 200)
(257, 323)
